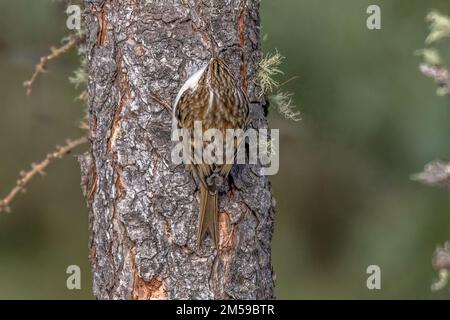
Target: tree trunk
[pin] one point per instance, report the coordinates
(143, 208)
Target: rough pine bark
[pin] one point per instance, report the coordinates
(143, 208)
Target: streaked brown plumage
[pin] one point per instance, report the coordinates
(213, 97)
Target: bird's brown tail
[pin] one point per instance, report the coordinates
(208, 216)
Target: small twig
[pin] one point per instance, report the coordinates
(39, 168)
(288, 80)
(54, 53)
(161, 102)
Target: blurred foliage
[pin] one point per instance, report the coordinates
(48, 227)
(369, 120)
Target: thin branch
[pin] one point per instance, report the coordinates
(25, 177)
(54, 53)
(288, 80)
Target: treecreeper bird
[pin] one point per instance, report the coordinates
(213, 97)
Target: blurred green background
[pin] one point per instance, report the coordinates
(345, 200)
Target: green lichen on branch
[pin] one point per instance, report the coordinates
(282, 101)
(284, 104)
(269, 68)
(433, 65)
(439, 27)
(79, 77)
